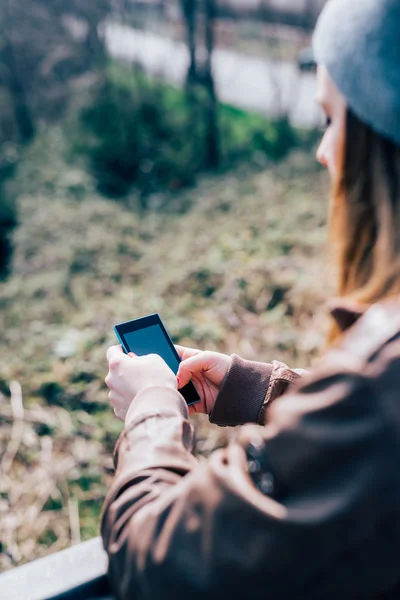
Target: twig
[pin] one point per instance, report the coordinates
(17, 428)
(74, 525)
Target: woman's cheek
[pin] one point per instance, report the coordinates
(334, 152)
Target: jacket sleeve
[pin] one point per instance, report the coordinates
(283, 511)
(248, 388)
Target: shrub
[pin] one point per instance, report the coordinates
(8, 221)
(277, 139)
(132, 136)
(136, 132)
(8, 214)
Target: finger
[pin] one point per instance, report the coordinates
(195, 409)
(117, 401)
(185, 353)
(114, 352)
(192, 410)
(119, 414)
(132, 355)
(112, 397)
(107, 379)
(192, 366)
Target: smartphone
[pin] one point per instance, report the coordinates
(148, 335)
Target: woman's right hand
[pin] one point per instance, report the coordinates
(207, 370)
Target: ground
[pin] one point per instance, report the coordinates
(236, 264)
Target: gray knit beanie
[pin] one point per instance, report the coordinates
(358, 41)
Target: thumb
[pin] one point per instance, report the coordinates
(192, 366)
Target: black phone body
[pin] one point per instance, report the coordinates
(148, 335)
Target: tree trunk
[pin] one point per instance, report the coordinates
(95, 44)
(189, 11)
(212, 140)
(23, 116)
(200, 88)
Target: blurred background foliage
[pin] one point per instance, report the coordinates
(138, 132)
(127, 188)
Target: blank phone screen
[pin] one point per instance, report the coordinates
(151, 340)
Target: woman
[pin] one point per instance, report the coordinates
(305, 503)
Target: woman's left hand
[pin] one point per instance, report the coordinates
(129, 374)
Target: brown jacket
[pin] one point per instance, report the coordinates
(305, 507)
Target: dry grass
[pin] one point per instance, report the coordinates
(236, 265)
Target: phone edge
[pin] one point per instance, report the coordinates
(120, 340)
(166, 333)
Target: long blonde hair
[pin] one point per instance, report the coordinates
(365, 217)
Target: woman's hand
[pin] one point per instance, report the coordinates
(207, 370)
(129, 374)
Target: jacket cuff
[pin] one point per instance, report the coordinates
(242, 394)
(150, 402)
(156, 398)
